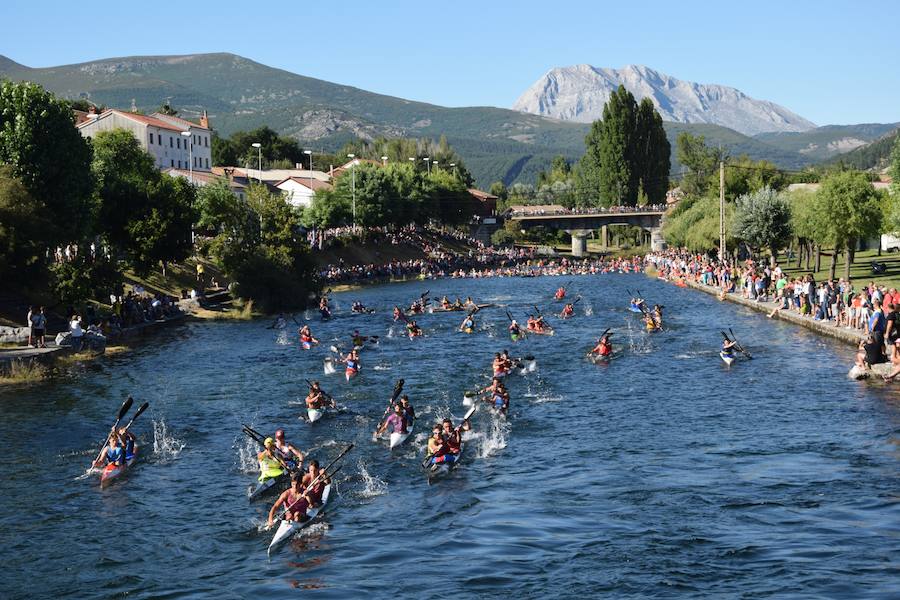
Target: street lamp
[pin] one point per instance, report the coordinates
(384, 160)
(353, 186)
(187, 134)
(258, 147)
(309, 154)
(427, 160)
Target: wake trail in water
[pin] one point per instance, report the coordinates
(372, 485)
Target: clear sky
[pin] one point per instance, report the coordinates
(828, 61)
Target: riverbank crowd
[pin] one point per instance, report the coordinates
(865, 307)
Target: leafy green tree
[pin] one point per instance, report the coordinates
(83, 278)
(809, 224)
(762, 219)
(49, 156)
(238, 149)
(695, 224)
(701, 162)
(329, 208)
(143, 213)
(895, 168)
(23, 220)
(625, 152)
(446, 199)
(851, 208)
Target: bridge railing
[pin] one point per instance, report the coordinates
(650, 208)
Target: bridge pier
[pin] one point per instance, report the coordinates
(657, 241)
(579, 241)
(604, 236)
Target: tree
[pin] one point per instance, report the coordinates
(627, 151)
(238, 149)
(895, 168)
(762, 219)
(143, 213)
(695, 224)
(850, 207)
(700, 160)
(39, 140)
(23, 220)
(809, 224)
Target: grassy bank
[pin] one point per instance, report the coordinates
(860, 270)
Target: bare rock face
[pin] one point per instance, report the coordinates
(579, 93)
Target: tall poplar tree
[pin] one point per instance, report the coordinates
(626, 154)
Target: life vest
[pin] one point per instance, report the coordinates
(269, 467)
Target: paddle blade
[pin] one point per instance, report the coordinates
(334, 349)
(470, 412)
(125, 407)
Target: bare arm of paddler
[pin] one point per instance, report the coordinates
(278, 504)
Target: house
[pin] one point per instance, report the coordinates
(174, 143)
(276, 176)
(486, 204)
(203, 178)
(299, 191)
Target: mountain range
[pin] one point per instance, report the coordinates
(496, 143)
(579, 93)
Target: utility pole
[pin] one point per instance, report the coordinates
(722, 210)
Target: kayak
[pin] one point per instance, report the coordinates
(635, 309)
(598, 359)
(307, 344)
(112, 472)
(269, 485)
(467, 330)
(536, 332)
(351, 373)
(287, 529)
(440, 469)
(728, 358)
(514, 337)
(397, 439)
(315, 414)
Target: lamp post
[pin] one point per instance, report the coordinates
(309, 154)
(353, 186)
(258, 147)
(384, 161)
(187, 134)
(427, 160)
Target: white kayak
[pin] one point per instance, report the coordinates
(727, 358)
(397, 439)
(287, 529)
(314, 414)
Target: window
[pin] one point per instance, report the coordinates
(172, 162)
(171, 142)
(151, 138)
(207, 163)
(178, 143)
(206, 142)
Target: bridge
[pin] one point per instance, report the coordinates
(580, 224)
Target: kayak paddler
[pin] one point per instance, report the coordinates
(287, 451)
(293, 501)
(306, 336)
(567, 311)
(113, 453)
(269, 465)
(413, 329)
(396, 421)
(323, 308)
(515, 330)
(316, 399)
(468, 324)
(604, 346)
(408, 411)
(728, 347)
(560, 293)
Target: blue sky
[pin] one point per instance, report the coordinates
(828, 61)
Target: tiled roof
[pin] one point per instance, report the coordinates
(135, 117)
(177, 121)
(482, 195)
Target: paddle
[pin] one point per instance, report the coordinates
(122, 410)
(258, 438)
(468, 416)
(738, 345)
(398, 389)
(311, 483)
(142, 408)
(577, 300)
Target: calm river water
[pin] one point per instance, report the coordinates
(663, 474)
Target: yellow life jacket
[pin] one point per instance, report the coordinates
(269, 468)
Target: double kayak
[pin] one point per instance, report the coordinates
(539, 332)
(112, 472)
(288, 529)
(601, 359)
(435, 470)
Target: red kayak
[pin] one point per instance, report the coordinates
(112, 472)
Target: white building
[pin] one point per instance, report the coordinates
(299, 191)
(173, 143)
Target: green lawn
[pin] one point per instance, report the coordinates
(860, 270)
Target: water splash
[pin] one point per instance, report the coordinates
(329, 367)
(372, 485)
(282, 338)
(165, 446)
(588, 308)
(390, 332)
(247, 451)
(494, 439)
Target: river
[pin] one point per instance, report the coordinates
(664, 473)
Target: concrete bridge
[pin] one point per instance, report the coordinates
(580, 225)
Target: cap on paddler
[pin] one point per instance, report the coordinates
(269, 442)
